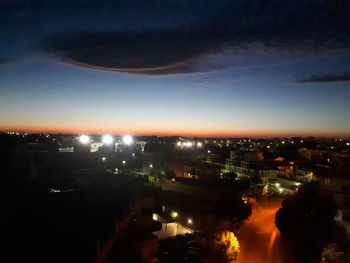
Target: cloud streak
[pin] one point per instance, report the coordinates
(4, 61)
(328, 77)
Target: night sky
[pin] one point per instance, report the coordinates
(178, 67)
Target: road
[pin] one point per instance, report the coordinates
(259, 238)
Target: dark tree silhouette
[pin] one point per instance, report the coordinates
(307, 220)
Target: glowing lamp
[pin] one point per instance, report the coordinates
(127, 139)
(84, 139)
(107, 139)
(188, 144)
(173, 214)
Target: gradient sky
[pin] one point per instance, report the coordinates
(206, 68)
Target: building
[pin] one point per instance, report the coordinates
(313, 155)
(199, 170)
(286, 168)
(335, 181)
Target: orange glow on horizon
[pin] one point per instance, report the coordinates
(164, 131)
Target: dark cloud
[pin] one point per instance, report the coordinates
(142, 52)
(329, 77)
(301, 25)
(4, 61)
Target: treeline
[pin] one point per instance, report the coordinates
(307, 221)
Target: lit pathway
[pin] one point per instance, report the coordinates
(259, 237)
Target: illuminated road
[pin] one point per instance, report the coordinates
(258, 236)
(170, 229)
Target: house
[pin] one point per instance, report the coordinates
(335, 181)
(199, 170)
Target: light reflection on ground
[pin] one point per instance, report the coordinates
(259, 237)
(170, 229)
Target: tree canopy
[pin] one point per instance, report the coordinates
(307, 219)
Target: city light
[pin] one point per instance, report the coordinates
(127, 139)
(103, 158)
(199, 144)
(107, 139)
(84, 139)
(265, 190)
(124, 162)
(151, 166)
(189, 221)
(133, 154)
(208, 151)
(245, 199)
(188, 144)
(277, 184)
(54, 190)
(155, 217)
(173, 214)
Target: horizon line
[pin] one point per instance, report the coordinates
(177, 135)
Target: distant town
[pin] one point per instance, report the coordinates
(180, 175)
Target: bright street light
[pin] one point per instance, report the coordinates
(127, 139)
(174, 214)
(189, 221)
(277, 184)
(188, 144)
(124, 162)
(84, 139)
(107, 139)
(151, 166)
(103, 158)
